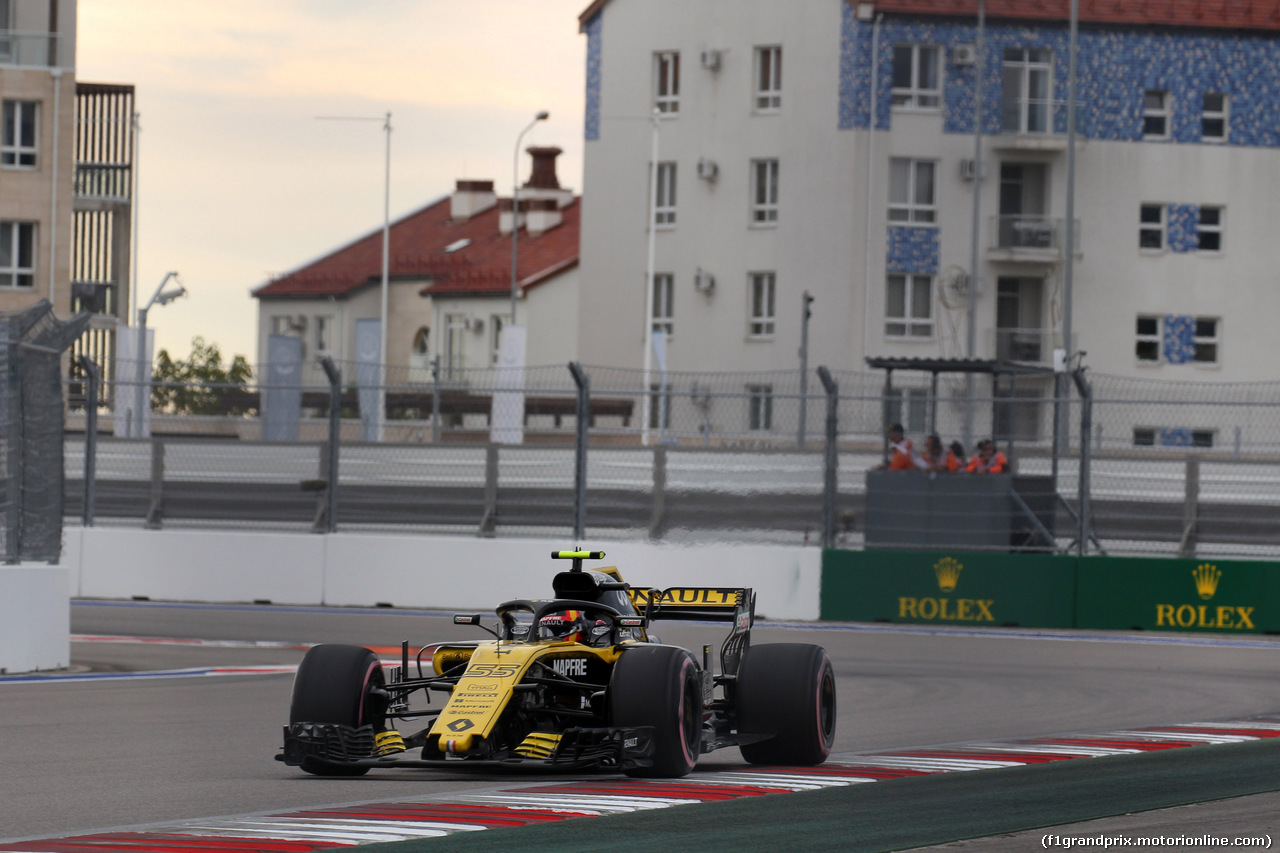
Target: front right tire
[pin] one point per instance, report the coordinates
(660, 686)
(333, 685)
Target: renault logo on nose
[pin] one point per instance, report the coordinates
(461, 725)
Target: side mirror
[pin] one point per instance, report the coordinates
(466, 618)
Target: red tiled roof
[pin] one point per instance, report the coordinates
(1217, 14)
(418, 241)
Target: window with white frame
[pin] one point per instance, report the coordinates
(759, 407)
(18, 135)
(1027, 105)
(911, 190)
(1147, 339)
(664, 201)
(764, 192)
(496, 324)
(1205, 340)
(908, 311)
(17, 255)
(1151, 225)
(324, 334)
(455, 331)
(768, 79)
(666, 82)
(917, 80)
(1213, 117)
(661, 313)
(659, 406)
(763, 294)
(1209, 229)
(422, 341)
(1155, 114)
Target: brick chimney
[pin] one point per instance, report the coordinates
(470, 198)
(543, 183)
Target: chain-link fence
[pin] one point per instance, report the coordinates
(1097, 463)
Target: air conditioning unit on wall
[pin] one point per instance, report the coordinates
(703, 282)
(707, 169)
(969, 169)
(711, 60)
(964, 54)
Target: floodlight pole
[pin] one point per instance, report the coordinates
(971, 327)
(141, 385)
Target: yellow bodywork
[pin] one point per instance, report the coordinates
(483, 691)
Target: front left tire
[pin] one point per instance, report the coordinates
(334, 685)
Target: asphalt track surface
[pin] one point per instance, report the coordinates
(112, 752)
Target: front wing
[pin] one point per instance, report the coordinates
(345, 746)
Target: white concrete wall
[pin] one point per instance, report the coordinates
(35, 618)
(451, 573)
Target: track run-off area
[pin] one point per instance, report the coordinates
(162, 736)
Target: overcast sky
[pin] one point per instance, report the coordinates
(239, 180)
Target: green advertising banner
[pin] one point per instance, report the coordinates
(1178, 595)
(949, 587)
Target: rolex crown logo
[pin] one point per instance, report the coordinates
(1207, 576)
(948, 571)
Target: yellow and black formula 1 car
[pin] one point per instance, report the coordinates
(570, 682)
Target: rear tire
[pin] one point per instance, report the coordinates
(660, 686)
(787, 690)
(332, 686)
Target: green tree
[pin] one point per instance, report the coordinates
(200, 384)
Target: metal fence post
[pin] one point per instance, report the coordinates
(13, 462)
(435, 400)
(1190, 510)
(583, 422)
(334, 376)
(489, 521)
(155, 513)
(93, 380)
(657, 518)
(831, 459)
(1086, 459)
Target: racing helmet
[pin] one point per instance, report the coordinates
(565, 625)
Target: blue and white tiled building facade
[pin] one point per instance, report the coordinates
(1176, 270)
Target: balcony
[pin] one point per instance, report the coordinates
(1028, 125)
(1029, 238)
(107, 183)
(33, 50)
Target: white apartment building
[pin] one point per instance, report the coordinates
(829, 146)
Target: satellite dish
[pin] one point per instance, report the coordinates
(953, 287)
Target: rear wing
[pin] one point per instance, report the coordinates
(701, 603)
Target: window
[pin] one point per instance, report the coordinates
(911, 190)
(1027, 101)
(1147, 345)
(324, 333)
(916, 82)
(1144, 437)
(664, 200)
(763, 286)
(661, 314)
(666, 82)
(1151, 226)
(455, 329)
(759, 407)
(659, 407)
(907, 406)
(1209, 230)
(18, 145)
(1177, 340)
(496, 324)
(422, 341)
(768, 79)
(1205, 340)
(764, 192)
(908, 309)
(1155, 115)
(17, 254)
(1213, 117)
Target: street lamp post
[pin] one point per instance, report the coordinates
(386, 263)
(142, 386)
(515, 213)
